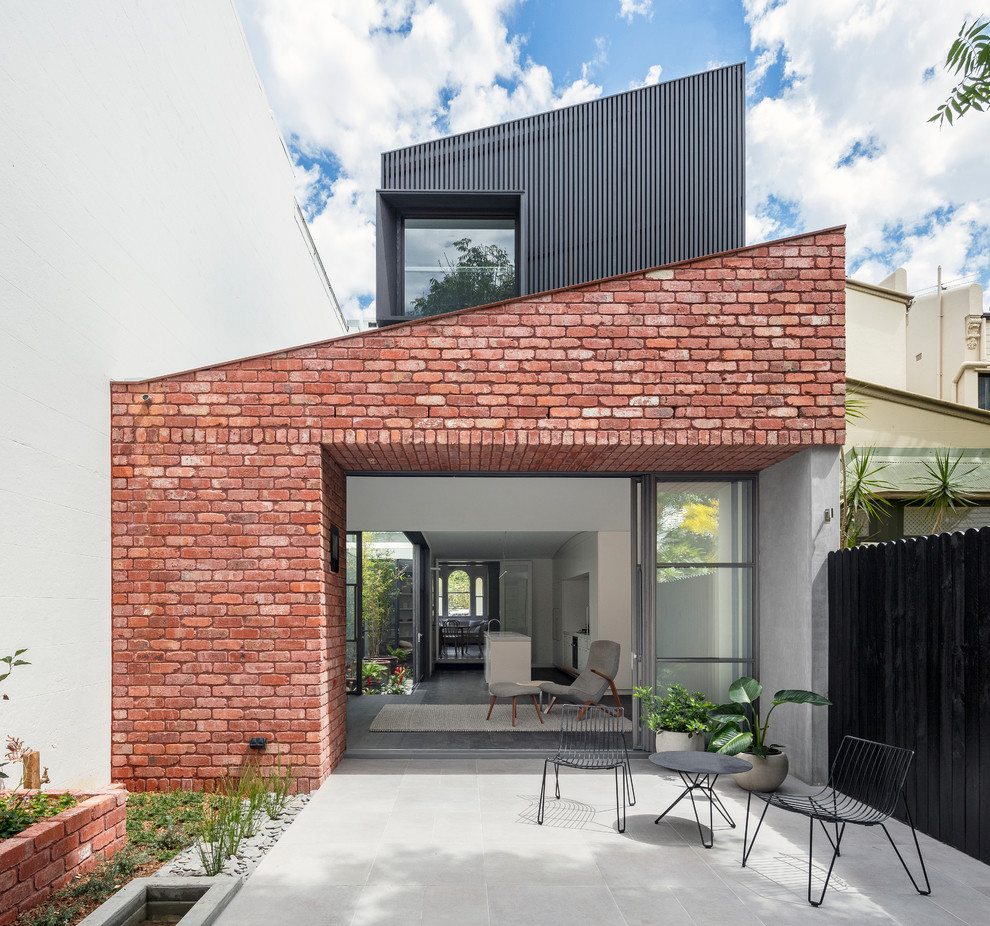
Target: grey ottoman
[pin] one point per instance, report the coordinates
(514, 690)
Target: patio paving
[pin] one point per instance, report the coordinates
(455, 841)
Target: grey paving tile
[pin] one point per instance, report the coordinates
(533, 864)
(552, 905)
(263, 906)
(456, 905)
(650, 906)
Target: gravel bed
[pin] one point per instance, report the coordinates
(188, 864)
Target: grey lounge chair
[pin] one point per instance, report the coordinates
(596, 678)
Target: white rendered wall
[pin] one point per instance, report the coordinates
(876, 332)
(147, 225)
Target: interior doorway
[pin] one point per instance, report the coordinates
(547, 559)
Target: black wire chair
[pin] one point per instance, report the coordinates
(865, 783)
(596, 742)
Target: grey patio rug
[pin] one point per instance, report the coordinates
(465, 718)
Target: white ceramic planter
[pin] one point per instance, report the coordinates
(766, 775)
(668, 741)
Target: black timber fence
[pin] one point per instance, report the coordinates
(909, 664)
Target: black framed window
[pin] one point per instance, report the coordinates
(983, 390)
(457, 263)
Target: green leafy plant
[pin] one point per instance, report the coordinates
(222, 828)
(860, 499)
(943, 489)
(679, 711)
(19, 811)
(375, 674)
(379, 590)
(164, 822)
(739, 726)
(969, 56)
(279, 781)
(10, 662)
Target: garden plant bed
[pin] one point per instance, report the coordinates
(162, 833)
(46, 855)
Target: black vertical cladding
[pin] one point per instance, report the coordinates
(909, 638)
(615, 185)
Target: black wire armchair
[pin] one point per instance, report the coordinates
(596, 742)
(866, 781)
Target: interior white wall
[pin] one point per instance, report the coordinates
(486, 503)
(605, 558)
(542, 645)
(147, 225)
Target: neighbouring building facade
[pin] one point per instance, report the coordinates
(230, 616)
(148, 225)
(921, 367)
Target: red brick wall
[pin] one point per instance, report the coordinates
(45, 856)
(227, 621)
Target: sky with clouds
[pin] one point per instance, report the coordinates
(839, 94)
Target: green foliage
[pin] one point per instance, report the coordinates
(679, 711)
(10, 662)
(482, 274)
(943, 489)
(279, 780)
(969, 56)
(739, 728)
(164, 822)
(687, 530)
(379, 590)
(19, 811)
(860, 499)
(223, 827)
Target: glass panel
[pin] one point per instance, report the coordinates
(350, 673)
(349, 605)
(704, 522)
(983, 392)
(351, 560)
(479, 597)
(712, 679)
(458, 594)
(453, 264)
(705, 613)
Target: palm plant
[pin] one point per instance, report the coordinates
(942, 488)
(860, 488)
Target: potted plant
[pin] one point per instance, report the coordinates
(680, 719)
(741, 732)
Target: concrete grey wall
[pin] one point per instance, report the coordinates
(795, 539)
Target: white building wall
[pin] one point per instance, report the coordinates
(147, 225)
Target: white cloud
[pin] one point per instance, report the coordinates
(652, 77)
(845, 138)
(351, 80)
(630, 8)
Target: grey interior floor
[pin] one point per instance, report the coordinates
(460, 684)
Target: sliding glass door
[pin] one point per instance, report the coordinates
(705, 586)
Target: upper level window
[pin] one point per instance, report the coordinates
(983, 391)
(451, 264)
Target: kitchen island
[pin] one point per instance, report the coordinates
(508, 657)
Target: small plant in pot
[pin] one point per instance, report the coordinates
(680, 719)
(741, 732)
